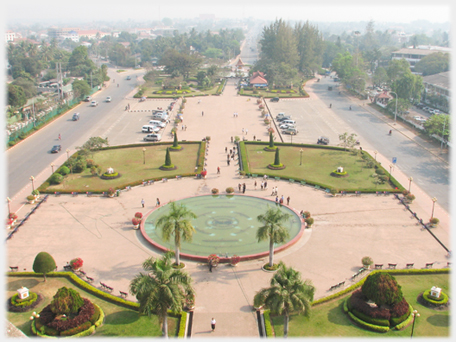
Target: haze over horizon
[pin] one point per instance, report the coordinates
(83, 11)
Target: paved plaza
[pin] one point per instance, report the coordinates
(99, 229)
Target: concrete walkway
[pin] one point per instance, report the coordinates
(99, 229)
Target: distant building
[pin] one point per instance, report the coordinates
(414, 55)
(437, 90)
(60, 33)
(258, 80)
(10, 36)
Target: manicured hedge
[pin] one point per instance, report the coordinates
(182, 324)
(443, 300)
(267, 324)
(373, 327)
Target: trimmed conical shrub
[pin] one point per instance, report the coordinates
(168, 158)
(271, 140)
(276, 157)
(175, 144)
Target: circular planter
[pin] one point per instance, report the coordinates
(272, 167)
(269, 149)
(176, 149)
(103, 176)
(166, 168)
(263, 267)
(136, 226)
(339, 175)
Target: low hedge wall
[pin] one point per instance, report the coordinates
(267, 323)
(182, 324)
(369, 326)
(429, 299)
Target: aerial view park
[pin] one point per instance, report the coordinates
(229, 224)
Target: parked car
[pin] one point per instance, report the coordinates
(292, 131)
(286, 125)
(420, 119)
(323, 141)
(157, 123)
(108, 99)
(94, 104)
(56, 149)
(75, 116)
(150, 129)
(88, 99)
(152, 137)
(281, 115)
(275, 99)
(283, 118)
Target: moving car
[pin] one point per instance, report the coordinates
(128, 78)
(323, 141)
(75, 116)
(150, 129)
(56, 149)
(275, 99)
(94, 104)
(152, 137)
(108, 99)
(88, 99)
(292, 131)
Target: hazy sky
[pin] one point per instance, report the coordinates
(404, 11)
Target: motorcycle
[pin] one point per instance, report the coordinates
(390, 132)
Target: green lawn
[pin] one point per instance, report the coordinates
(129, 162)
(151, 87)
(119, 321)
(329, 320)
(317, 165)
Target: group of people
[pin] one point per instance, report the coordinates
(242, 187)
(143, 203)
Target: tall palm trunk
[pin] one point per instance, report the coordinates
(271, 253)
(165, 325)
(286, 319)
(177, 255)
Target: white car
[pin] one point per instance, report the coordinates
(285, 126)
(108, 99)
(94, 104)
(150, 129)
(420, 119)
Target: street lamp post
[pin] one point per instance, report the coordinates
(433, 206)
(443, 134)
(410, 182)
(33, 184)
(375, 153)
(144, 155)
(9, 206)
(395, 113)
(391, 168)
(300, 163)
(52, 167)
(415, 314)
(68, 154)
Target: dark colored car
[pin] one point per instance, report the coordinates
(275, 99)
(323, 141)
(56, 149)
(128, 78)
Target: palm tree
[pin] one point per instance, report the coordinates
(161, 288)
(288, 293)
(272, 229)
(177, 223)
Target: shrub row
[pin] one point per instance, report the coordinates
(369, 326)
(182, 324)
(267, 323)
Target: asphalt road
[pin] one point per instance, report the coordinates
(32, 156)
(315, 118)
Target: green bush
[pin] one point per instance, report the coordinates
(76, 330)
(63, 170)
(56, 178)
(395, 321)
(369, 319)
(380, 171)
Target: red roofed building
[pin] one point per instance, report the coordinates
(258, 80)
(383, 99)
(240, 64)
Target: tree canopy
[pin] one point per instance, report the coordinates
(44, 263)
(433, 64)
(382, 288)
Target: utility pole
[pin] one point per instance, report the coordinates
(91, 85)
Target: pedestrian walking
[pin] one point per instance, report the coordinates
(231, 151)
(202, 113)
(246, 131)
(262, 185)
(213, 323)
(218, 169)
(243, 188)
(228, 162)
(276, 190)
(281, 200)
(255, 185)
(210, 266)
(142, 202)
(231, 139)
(158, 202)
(228, 156)
(239, 187)
(182, 127)
(226, 149)
(254, 138)
(277, 199)
(60, 137)
(242, 130)
(185, 128)
(265, 185)
(288, 200)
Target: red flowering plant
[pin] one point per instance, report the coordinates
(13, 216)
(234, 260)
(139, 215)
(76, 263)
(213, 259)
(135, 221)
